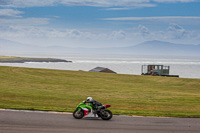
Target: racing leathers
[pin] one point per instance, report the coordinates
(97, 106)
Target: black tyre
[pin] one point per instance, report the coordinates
(106, 115)
(78, 114)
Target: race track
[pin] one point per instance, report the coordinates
(41, 122)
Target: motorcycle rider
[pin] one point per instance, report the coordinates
(97, 106)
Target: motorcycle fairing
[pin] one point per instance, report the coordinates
(87, 113)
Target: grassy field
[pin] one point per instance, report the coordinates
(11, 59)
(59, 90)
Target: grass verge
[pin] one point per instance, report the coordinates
(60, 90)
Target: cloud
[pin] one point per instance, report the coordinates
(10, 13)
(118, 35)
(175, 27)
(175, 1)
(115, 9)
(27, 3)
(163, 18)
(24, 31)
(119, 4)
(108, 3)
(177, 31)
(143, 30)
(94, 3)
(44, 36)
(129, 7)
(25, 21)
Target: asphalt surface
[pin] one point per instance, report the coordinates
(40, 122)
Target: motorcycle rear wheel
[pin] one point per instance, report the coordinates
(78, 114)
(107, 115)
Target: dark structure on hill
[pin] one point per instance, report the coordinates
(102, 69)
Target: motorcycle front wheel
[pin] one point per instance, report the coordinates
(106, 115)
(78, 114)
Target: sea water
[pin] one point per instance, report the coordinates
(185, 67)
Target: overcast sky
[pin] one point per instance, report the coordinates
(99, 23)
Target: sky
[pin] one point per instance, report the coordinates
(99, 23)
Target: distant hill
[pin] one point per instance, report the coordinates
(164, 48)
(11, 46)
(147, 48)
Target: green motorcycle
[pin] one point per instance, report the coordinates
(84, 110)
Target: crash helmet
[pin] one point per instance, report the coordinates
(89, 99)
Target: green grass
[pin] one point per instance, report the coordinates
(8, 58)
(5, 58)
(16, 59)
(24, 59)
(59, 90)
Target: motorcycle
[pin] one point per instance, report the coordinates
(84, 110)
